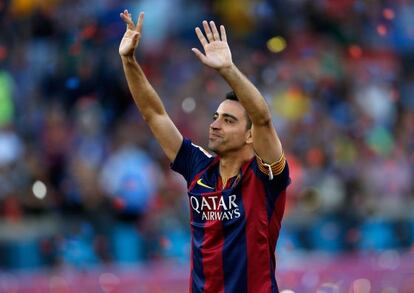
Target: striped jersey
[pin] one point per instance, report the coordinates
(234, 228)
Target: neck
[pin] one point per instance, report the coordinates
(230, 163)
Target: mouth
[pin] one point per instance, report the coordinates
(213, 136)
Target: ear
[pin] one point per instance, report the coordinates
(249, 136)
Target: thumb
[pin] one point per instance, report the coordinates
(199, 55)
(136, 38)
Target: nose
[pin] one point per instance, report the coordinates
(216, 124)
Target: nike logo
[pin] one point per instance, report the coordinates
(200, 182)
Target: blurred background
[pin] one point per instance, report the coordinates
(87, 199)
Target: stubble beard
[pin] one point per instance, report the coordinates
(213, 147)
(216, 145)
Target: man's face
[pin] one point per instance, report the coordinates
(228, 131)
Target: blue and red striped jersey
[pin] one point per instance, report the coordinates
(235, 228)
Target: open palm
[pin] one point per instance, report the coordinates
(132, 34)
(217, 52)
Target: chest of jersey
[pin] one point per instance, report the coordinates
(210, 204)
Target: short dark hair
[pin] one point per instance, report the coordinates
(233, 97)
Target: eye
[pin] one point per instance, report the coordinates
(227, 120)
(214, 117)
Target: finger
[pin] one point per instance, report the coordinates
(129, 23)
(135, 38)
(216, 34)
(200, 36)
(140, 22)
(209, 34)
(199, 55)
(132, 26)
(125, 16)
(223, 33)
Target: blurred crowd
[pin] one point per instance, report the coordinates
(82, 181)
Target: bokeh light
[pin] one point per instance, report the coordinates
(109, 282)
(39, 189)
(188, 105)
(361, 286)
(355, 51)
(382, 30)
(276, 44)
(388, 13)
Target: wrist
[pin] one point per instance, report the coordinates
(227, 69)
(128, 58)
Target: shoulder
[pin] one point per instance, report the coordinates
(191, 150)
(191, 159)
(275, 174)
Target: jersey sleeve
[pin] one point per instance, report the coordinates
(276, 174)
(191, 159)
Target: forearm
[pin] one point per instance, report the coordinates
(145, 97)
(248, 95)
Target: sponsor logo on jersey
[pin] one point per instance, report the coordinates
(216, 208)
(200, 182)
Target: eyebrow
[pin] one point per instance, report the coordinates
(227, 115)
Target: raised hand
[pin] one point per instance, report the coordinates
(132, 34)
(217, 52)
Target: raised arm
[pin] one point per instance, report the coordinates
(145, 97)
(217, 55)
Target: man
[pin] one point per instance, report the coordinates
(237, 198)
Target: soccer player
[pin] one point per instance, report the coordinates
(237, 197)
